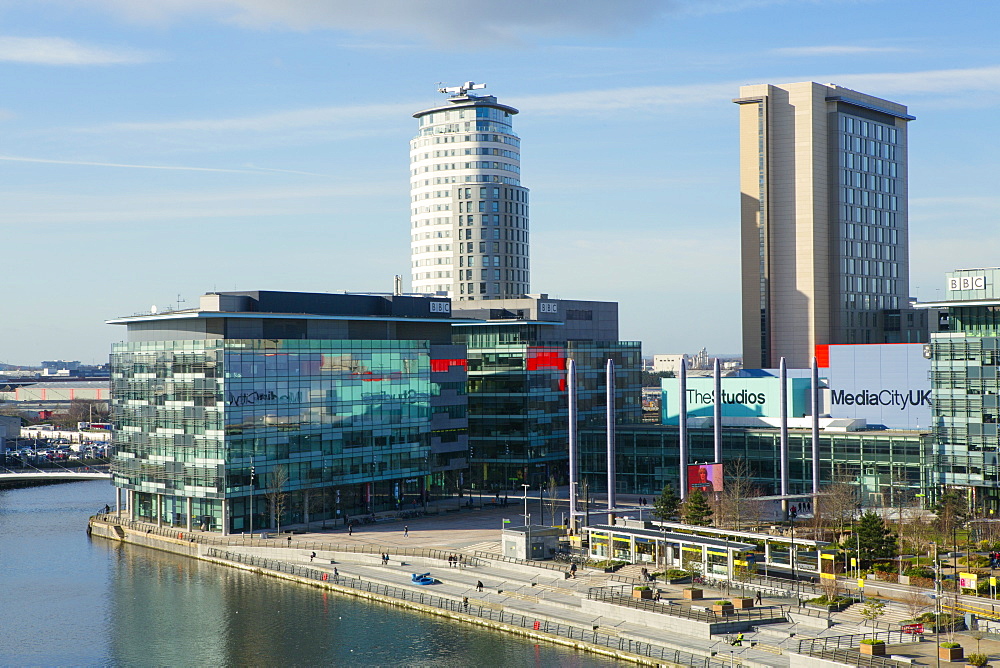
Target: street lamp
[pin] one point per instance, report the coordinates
(525, 486)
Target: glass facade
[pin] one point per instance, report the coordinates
(518, 413)
(883, 463)
(203, 426)
(966, 382)
(870, 219)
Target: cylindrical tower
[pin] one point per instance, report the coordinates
(469, 213)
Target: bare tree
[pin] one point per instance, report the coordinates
(736, 505)
(838, 503)
(916, 604)
(277, 498)
(551, 490)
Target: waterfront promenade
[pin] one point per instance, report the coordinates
(535, 592)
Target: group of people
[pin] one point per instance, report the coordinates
(646, 576)
(453, 560)
(385, 559)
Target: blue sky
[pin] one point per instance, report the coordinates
(168, 148)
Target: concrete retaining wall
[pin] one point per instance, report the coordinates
(196, 551)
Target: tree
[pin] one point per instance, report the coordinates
(652, 379)
(951, 510)
(737, 505)
(837, 503)
(277, 480)
(871, 611)
(552, 489)
(873, 539)
(665, 505)
(916, 603)
(696, 510)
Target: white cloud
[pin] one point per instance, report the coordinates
(177, 168)
(969, 80)
(59, 51)
(835, 50)
(451, 23)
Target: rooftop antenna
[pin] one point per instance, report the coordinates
(458, 91)
(397, 284)
(180, 300)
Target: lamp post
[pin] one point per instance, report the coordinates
(937, 607)
(526, 516)
(252, 472)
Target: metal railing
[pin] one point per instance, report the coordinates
(807, 645)
(622, 596)
(552, 566)
(480, 609)
(246, 541)
(853, 658)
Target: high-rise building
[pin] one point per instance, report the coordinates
(469, 213)
(823, 219)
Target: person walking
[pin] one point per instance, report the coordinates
(336, 573)
(479, 585)
(572, 571)
(289, 541)
(406, 531)
(465, 602)
(758, 598)
(312, 556)
(350, 529)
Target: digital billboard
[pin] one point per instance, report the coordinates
(888, 385)
(741, 398)
(706, 477)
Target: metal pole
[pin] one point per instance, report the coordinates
(571, 401)
(783, 376)
(683, 431)
(815, 428)
(937, 607)
(526, 516)
(717, 411)
(610, 392)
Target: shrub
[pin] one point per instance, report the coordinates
(677, 573)
(918, 581)
(977, 659)
(950, 645)
(976, 561)
(919, 572)
(869, 641)
(642, 588)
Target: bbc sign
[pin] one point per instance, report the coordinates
(967, 283)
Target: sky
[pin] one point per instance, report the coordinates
(153, 151)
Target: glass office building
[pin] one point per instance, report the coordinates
(966, 386)
(889, 466)
(518, 412)
(216, 416)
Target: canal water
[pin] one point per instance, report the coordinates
(66, 599)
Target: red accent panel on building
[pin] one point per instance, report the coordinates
(438, 366)
(823, 355)
(546, 358)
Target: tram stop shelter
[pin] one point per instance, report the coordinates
(709, 550)
(650, 544)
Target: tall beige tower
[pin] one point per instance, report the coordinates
(823, 219)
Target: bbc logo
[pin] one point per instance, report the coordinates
(967, 283)
(440, 307)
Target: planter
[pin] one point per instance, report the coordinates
(684, 579)
(693, 594)
(642, 593)
(872, 650)
(723, 609)
(743, 602)
(951, 653)
(904, 579)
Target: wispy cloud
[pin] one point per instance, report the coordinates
(59, 51)
(175, 168)
(438, 21)
(282, 120)
(835, 50)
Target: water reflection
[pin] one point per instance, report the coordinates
(83, 602)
